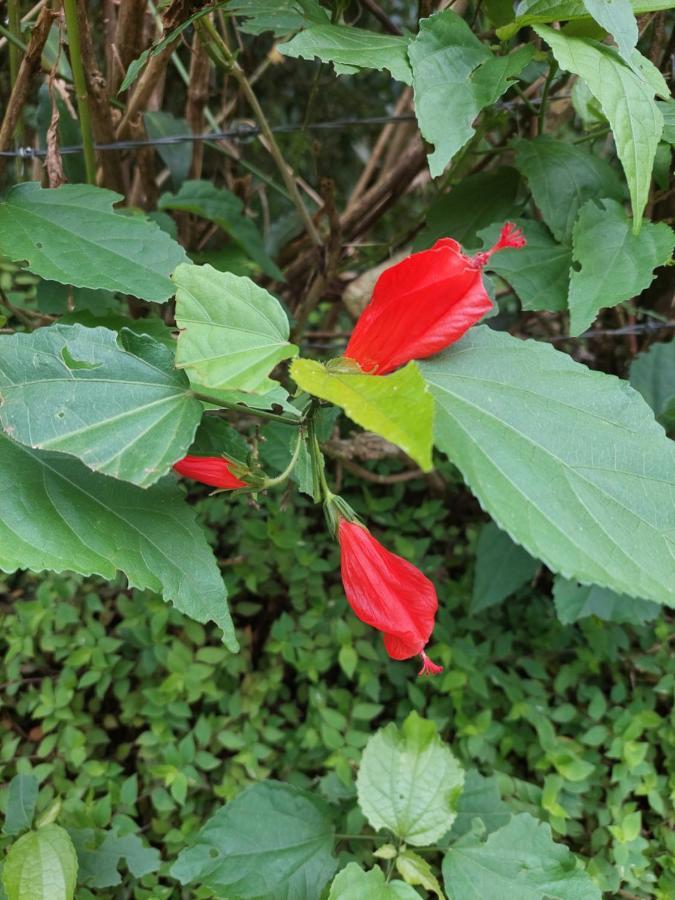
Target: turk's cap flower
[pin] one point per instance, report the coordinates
(216, 471)
(423, 304)
(388, 593)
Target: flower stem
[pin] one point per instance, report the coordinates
(237, 407)
(553, 68)
(80, 81)
(272, 482)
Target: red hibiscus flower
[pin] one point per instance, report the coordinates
(212, 470)
(389, 593)
(423, 304)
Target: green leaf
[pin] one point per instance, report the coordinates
(562, 177)
(278, 444)
(617, 19)
(215, 437)
(626, 101)
(99, 854)
(539, 272)
(232, 331)
(21, 802)
(455, 76)
(398, 407)
(415, 870)
(137, 65)
(153, 327)
(279, 16)
(569, 462)
(473, 204)
(41, 865)
(114, 401)
(532, 12)
(351, 49)
(176, 157)
(653, 375)
(576, 601)
(56, 514)
(501, 568)
(480, 799)
(518, 862)
(409, 782)
(204, 199)
(614, 264)
(272, 842)
(352, 883)
(71, 234)
(667, 110)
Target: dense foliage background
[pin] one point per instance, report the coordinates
(131, 724)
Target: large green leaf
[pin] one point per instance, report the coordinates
(533, 12)
(56, 514)
(627, 101)
(578, 601)
(614, 264)
(518, 862)
(232, 331)
(72, 235)
(455, 76)
(409, 782)
(352, 883)
(501, 568)
(114, 401)
(473, 204)
(617, 19)
(570, 462)
(21, 802)
(398, 407)
(202, 198)
(272, 842)
(653, 375)
(539, 272)
(562, 177)
(41, 865)
(351, 49)
(667, 109)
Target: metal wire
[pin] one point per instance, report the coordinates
(242, 131)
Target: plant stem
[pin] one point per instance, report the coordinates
(541, 121)
(15, 51)
(272, 482)
(80, 81)
(237, 407)
(230, 64)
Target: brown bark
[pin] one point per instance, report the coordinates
(30, 64)
(110, 174)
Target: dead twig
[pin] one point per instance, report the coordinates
(30, 64)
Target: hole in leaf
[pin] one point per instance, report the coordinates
(73, 363)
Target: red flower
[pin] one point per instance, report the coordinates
(389, 593)
(423, 304)
(213, 470)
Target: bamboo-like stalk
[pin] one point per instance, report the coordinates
(15, 54)
(80, 81)
(230, 64)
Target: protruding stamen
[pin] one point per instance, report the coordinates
(510, 236)
(429, 667)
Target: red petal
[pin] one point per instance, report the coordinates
(212, 470)
(386, 591)
(419, 306)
